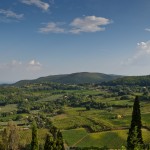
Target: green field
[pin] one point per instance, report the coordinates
(26, 136)
(87, 115)
(73, 136)
(8, 108)
(111, 139)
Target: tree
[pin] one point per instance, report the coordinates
(59, 142)
(10, 137)
(34, 142)
(88, 107)
(134, 138)
(47, 145)
(5, 138)
(54, 140)
(13, 139)
(53, 131)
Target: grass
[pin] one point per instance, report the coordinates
(146, 119)
(73, 119)
(79, 117)
(112, 139)
(50, 98)
(73, 136)
(71, 122)
(26, 136)
(8, 108)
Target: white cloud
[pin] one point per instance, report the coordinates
(51, 27)
(34, 62)
(34, 65)
(38, 3)
(11, 14)
(88, 24)
(143, 49)
(78, 25)
(147, 29)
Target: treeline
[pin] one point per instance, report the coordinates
(14, 95)
(129, 81)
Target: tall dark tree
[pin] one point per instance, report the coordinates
(135, 139)
(54, 140)
(59, 142)
(34, 142)
(48, 143)
(53, 131)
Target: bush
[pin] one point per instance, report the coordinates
(125, 97)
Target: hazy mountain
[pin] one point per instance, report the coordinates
(74, 78)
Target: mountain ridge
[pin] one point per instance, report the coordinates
(73, 78)
(88, 77)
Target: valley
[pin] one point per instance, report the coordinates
(88, 115)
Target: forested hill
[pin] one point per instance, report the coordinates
(130, 81)
(74, 78)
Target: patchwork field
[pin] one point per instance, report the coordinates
(87, 115)
(111, 139)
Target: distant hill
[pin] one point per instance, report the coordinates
(74, 78)
(130, 81)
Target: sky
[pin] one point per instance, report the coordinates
(48, 37)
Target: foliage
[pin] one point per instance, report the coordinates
(130, 81)
(135, 134)
(75, 78)
(65, 107)
(34, 142)
(48, 144)
(54, 141)
(10, 137)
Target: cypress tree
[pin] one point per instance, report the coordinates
(34, 142)
(54, 140)
(53, 131)
(134, 138)
(60, 143)
(48, 143)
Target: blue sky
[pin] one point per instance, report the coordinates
(47, 37)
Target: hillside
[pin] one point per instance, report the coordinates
(130, 81)
(74, 78)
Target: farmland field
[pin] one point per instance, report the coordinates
(87, 115)
(111, 139)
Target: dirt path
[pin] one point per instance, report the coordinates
(79, 141)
